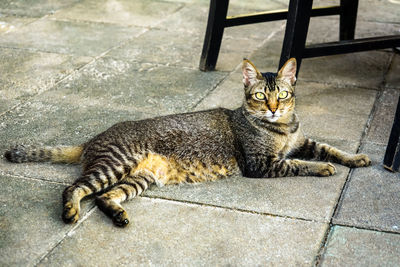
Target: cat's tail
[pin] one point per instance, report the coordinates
(59, 154)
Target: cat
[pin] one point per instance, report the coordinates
(261, 139)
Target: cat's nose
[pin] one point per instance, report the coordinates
(273, 110)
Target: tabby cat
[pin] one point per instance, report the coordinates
(260, 139)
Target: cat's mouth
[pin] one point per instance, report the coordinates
(272, 117)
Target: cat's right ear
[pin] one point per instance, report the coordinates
(250, 73)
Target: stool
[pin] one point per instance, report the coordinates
(298, 18)
(391, 160)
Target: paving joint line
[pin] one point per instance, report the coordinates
(31, 178)
(233, 209)
(366, 228)
(318, 258)
(70, 232)
(210, 91)
(374, 109)
(38, 50)
(321, 252)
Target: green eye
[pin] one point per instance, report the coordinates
(259, 96)
(283, 94)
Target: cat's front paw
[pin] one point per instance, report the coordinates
(326, 169)
(358, 160)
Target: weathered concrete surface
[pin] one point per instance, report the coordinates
(33, 8)
(393, 78)
(30, 219)
(70, 69)
(358, 247)
(139, 13)
(11, 23)
(371, 199)
(382, 121)
(61, 37)
(25, 73)
(170, 233)
(311, 198)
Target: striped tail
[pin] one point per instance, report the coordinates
(61, 154)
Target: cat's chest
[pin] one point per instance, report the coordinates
(284, 144)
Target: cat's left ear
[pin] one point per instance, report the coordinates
(288, 71)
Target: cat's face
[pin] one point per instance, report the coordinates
(270, 96)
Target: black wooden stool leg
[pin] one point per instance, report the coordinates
(296, 31)
(392, 155)
(214, 32)
(348, 18)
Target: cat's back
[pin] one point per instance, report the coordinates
(187, 135)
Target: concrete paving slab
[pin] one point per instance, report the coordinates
(30, 220)
(193, 17)
(61, 37)
(183, 48)
(346, 70)
(228, 94)
(317, 98)
(140, 13)
(392, 77)
(310, 198)
(25, 73)
(333, 126)
(357, 247)
(11, 23)
(168, 47)
(371, 198)
(169, 233)
(141, 86)
(382, 121)
(33, 8)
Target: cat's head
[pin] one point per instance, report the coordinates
(270, 96)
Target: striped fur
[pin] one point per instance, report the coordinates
(260, 139)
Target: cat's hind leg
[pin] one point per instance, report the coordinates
(97, 177)
(128, 188)
(312, 150)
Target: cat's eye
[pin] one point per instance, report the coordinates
(283, 94)
(259, 96)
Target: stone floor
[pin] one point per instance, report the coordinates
(71, 68)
